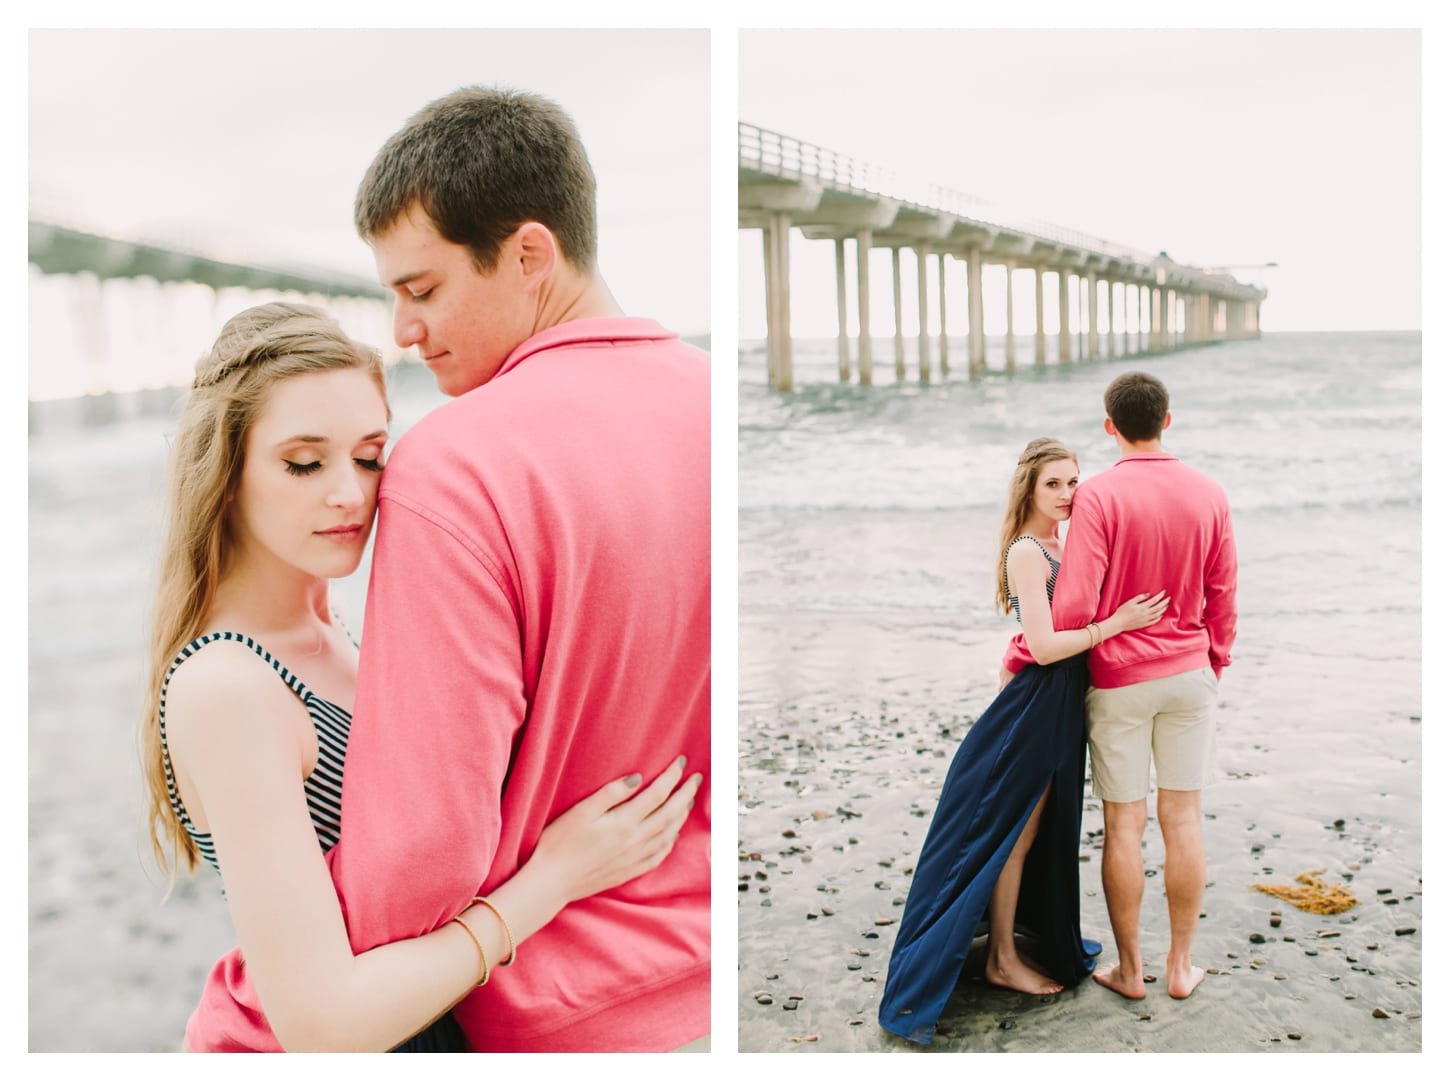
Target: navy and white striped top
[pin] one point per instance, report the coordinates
(1051, 578)
(323, 787)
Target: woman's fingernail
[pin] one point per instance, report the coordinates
(680, 761)
(632, 781)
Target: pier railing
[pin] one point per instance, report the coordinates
(774, 154)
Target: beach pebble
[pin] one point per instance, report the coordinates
(884, 921)
(1372, 946)
(1349, 996)
(1381, 1014)
(1211, 971)
(1274, 921)
(1311, 953)
(1392, 900)
(1150, 978)
(1404, 930)
(1413, 1016)
(828, 911)
(1280, 976)
(1007, 1025)
(804, 1039)
(788, 833)
(1256, 938)
(818, 815)
(763, 997)
(1384, 890)
(855, 1021)
(789, 1004)
(811, 916)
(1288, 938)
(853, 966)
(1294, 1035)
(1326, 932)
(1145, 1017)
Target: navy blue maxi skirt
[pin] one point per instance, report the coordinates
(1030, 735)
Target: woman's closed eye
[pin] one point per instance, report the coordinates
(301, 469)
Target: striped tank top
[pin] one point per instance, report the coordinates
(1051, 577)
(323, 787)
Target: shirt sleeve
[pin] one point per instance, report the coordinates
(1085, 552)
(440, 701)
(1220, 597)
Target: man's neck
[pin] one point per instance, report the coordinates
(573, 296)
(1149, 446)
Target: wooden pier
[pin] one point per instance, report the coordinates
(787, 184)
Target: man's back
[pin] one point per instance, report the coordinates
(538, 625)
(1151, 523)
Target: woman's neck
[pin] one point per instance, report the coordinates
(277, 600)
(1041, 527)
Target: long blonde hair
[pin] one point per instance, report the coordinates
(1039, 452)
(254, 351)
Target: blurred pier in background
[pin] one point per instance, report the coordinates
(1126, 301)
(118, 324)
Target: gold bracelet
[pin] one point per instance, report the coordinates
(1093, 639)
(513, 946)
(481, 955)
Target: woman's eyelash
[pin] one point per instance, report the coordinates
(301, 469)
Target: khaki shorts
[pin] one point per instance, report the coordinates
(1168, 721)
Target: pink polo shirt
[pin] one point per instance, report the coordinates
(538, 624)
(1148, 523)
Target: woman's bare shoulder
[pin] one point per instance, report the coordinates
(222, 681)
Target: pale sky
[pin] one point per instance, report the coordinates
(249, 144)
(1221, 147)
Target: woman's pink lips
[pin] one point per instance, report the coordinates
(341, 534)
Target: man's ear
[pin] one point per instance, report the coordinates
(1108, 426)
(537, 252)
(1167, 418)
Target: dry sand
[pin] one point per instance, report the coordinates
(844, 744)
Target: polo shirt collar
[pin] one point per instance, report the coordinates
(580, 331)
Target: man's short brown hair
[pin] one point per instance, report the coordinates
(481, 162)
(1137, 404)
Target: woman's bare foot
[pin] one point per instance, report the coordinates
(1019, 974)
(1114, 979)
(1182, 983)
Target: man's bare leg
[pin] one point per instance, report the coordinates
(1005, 966)
(1123, 825)
(1184, 872)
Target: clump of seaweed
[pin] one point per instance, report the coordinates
(1312, 894)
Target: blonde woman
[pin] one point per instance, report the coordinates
(1004, 840)
(272, 492)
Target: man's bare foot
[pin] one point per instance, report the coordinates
(1181, 984)
(1114, 979)
(1019, 974)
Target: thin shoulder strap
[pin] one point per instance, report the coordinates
(294, 684)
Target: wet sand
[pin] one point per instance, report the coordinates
(848, 723)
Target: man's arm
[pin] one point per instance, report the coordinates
(439, 701)
(1220, 597)
(1077, 596)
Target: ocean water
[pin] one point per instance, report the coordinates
(1315, 437)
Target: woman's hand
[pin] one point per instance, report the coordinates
(1139, 611)
(618, 833)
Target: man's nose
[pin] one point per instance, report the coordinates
(407, 327)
